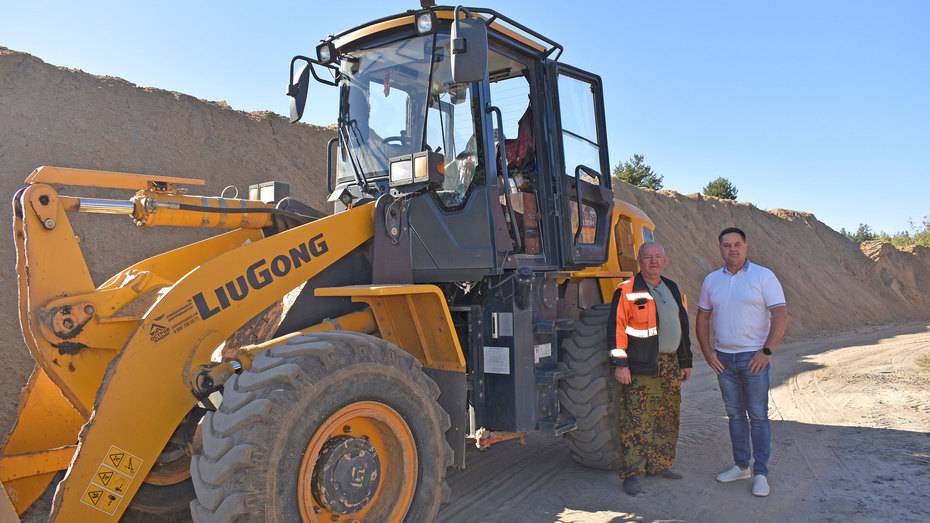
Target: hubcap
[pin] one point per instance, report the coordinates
(360, 465)
(346, 474)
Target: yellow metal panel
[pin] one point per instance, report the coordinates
(43, 276)
(35, 463)
(110, 179)
(147, 394)
(372, 29)
(409, 19)
(172, 265)
(45, 420)
(449, 14)
(413, 317)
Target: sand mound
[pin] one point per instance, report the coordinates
(55, 116)
(829, 282)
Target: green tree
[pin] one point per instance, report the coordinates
(721, 188)
(919, 234)
(636, 172)
(863, 234)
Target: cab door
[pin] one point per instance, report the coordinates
(583, 185)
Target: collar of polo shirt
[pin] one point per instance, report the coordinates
(743, 269)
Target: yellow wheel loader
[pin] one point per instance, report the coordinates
(305, 366)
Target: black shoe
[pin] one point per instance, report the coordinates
(632, 486)
(670, 474)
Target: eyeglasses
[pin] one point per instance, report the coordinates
(650, 258)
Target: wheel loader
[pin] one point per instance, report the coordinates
(332, 366)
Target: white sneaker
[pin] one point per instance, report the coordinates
(760, 485)
(733, 474)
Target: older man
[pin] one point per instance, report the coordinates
(746, 304)
(652, 357)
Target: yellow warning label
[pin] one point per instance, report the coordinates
(101, 500)
(109, 478)
(122, 461)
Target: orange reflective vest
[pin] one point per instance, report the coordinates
(635, 327)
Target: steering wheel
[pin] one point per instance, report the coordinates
(401, 140)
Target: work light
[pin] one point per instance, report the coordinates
(424, 21)
(425, 167)
(325, 52)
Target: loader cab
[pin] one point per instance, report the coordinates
(474, 177)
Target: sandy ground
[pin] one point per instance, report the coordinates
(851, 442)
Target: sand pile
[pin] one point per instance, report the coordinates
(55, 116)
(829, 282)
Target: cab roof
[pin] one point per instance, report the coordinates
(499, 24)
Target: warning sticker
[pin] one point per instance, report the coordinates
(111, 479)
(100, 499)
(122, 461)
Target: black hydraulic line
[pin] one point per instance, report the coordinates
(246, 210)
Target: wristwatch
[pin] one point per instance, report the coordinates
(767, 351)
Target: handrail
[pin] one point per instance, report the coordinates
(506, 176)
(590, 172)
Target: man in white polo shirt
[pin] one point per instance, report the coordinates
(746, 305)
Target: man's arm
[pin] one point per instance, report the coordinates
(778, 325)
(619, 340)
(702, 330)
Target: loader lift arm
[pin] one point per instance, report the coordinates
(188, 311)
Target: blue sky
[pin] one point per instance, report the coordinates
(815, 106)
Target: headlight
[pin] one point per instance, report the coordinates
(425, 167)
(401, 171)
(424, 21)
(325, 52)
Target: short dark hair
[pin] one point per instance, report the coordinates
(730, 230)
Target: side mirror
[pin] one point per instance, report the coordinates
(469, 47)
(297, 91)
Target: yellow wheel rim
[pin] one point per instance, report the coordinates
(382, 428)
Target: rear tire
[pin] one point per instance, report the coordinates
(588, 394)
(262, 459)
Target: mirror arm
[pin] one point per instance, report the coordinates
(312, 62)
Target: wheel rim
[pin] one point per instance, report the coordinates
(174, 464)
(381, 444)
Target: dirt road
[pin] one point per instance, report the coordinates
(851, 442)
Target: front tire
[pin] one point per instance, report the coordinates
(325, 427)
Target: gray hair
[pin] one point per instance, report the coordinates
(642, 248)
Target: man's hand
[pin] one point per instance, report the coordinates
(622, 374)
(685, 374)
(758, 362)
(714, 362)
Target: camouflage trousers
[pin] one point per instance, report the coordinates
(650, 408)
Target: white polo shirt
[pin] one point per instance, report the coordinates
(739, 305)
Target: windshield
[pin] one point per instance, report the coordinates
(383, 98)
(393, 105)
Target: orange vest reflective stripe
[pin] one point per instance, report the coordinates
(636, 316)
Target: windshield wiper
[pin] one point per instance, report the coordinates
(344, 122)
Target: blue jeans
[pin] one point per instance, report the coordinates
(747, 393)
